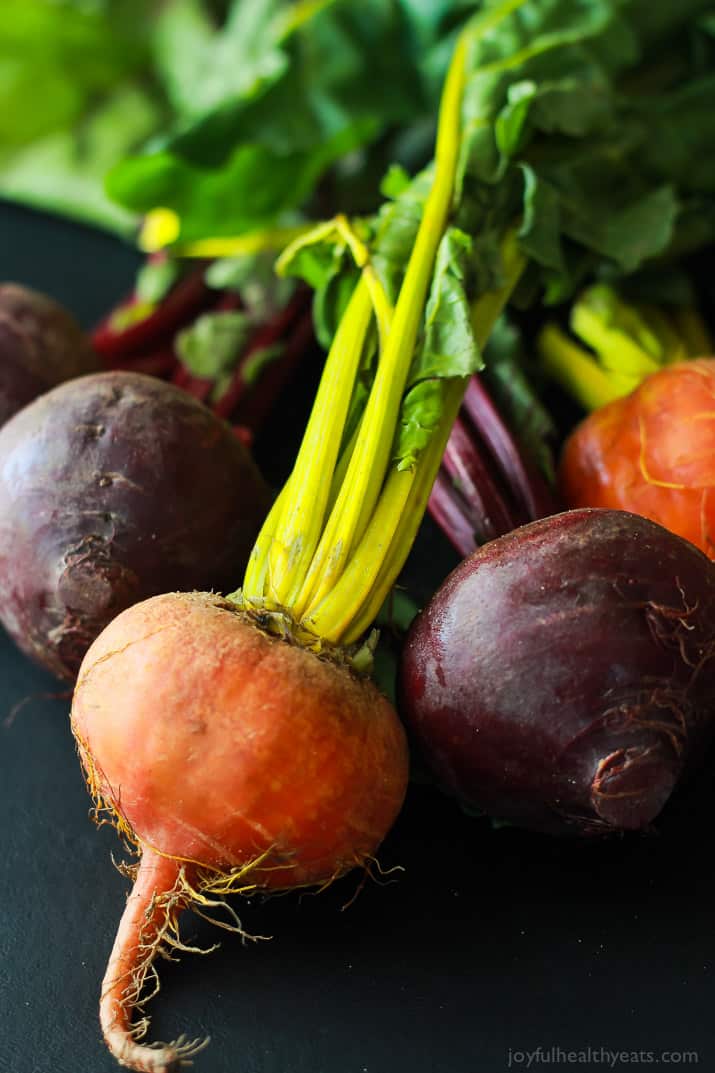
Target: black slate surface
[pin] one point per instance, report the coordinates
(489, 944)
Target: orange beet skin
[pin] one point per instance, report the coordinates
(235, 760)
(221, 743)
(652, 453)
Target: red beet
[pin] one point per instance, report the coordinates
(563, 677)
(41, 345)
(113, 488)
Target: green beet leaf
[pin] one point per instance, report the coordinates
(212, 345)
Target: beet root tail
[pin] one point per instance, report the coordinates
(148, 925)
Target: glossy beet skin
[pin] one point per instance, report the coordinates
(651, 452)
(563, 677)
(41, 345)
(115, 487)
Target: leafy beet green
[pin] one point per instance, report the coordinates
(268, 101)
(556, 127)
(77, 97)
(208, 347)
(241, 116)
(97, 45)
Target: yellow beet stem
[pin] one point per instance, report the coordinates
(257, 569)
(295, 536)
(332, 549)
(374, 567)
(272, 238)
(601, 305)
(331, 618)
(160, 227)
(368, 464)
(410, 519)
(301, 520)
(628, 343)
(305, 593)
(615, 349)
(672, 347)
(341, 227)
(361, 255)
(577, 371)
(256, 576)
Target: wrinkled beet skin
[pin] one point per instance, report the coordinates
(115, 487)
(563, 676)
(41, 346)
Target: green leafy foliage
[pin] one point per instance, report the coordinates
(155, 279)
(259, 360)
(248, 112)
(560, 133)
(249, 190)
(268, 101)
(202, 66)
(216, 344)
(253, 277)
(447, 349)
(64, 170)
(55, 56)
(75, 100)
(394, 228)
(211, 345)
(323, 260)
(585, 124)
(680, 142)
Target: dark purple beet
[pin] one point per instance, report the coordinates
(41, 345)
(115, 487)
(563, 677)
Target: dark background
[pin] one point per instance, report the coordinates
(490, 940)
